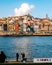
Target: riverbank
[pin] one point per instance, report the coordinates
(13, 34)
(26, 35)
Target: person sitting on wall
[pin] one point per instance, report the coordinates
(2, 57)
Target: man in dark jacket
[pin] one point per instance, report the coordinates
(2, 57)
(17, 57)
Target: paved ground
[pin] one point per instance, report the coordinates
(20, 63)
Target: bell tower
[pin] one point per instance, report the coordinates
(47, 16)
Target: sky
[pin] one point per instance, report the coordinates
(40, 7)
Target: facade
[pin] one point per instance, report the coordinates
(25, 24)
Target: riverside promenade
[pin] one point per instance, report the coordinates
(27, 63)
(30, 61)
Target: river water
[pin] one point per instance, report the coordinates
(33, 46)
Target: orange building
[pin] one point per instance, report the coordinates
(16, 27)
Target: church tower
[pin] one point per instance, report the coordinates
(47, 16)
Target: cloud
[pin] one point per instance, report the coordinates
(24, 9)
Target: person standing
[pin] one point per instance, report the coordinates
(17, 57)
(23, 57)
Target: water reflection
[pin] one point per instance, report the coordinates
(22, 45)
